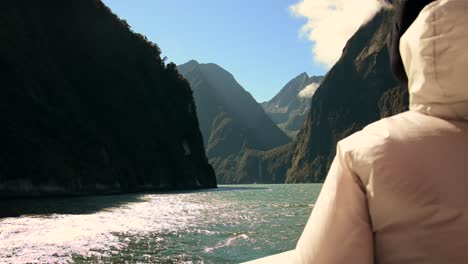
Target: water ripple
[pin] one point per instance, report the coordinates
(207, 227)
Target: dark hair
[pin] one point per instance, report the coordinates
(406, 12)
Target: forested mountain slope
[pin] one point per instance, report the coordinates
(88, 106)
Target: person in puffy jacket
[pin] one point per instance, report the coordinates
(397, 191)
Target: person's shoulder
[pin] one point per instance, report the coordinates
(379, 140)
(378, 134)
(375, 143)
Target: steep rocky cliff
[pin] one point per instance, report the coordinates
(290, 107)
(231, 121)
(358, 90)
(88, 106)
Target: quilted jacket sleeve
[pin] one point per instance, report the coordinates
(339, 229)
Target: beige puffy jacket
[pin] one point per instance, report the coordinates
(397, 192)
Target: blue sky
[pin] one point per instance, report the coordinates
(256, 40)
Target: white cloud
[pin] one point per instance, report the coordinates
(331, 23)
(309, 90)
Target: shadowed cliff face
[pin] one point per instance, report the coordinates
(358, 90)
(231, 121)
(87, 106)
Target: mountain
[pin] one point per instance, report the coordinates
(358, 90)
(88, 106)
(231, 121)
(289, 108)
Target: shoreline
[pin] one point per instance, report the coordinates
(55, 191)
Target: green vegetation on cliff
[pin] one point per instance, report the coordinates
(88, 106)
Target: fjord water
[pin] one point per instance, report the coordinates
(231, 224)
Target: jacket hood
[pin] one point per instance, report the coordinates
(435, 56)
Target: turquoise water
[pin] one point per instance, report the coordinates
(232, 224)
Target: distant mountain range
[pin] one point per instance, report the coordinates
(231, 121)
(290, 107)
(358, 90)
(88, 106)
